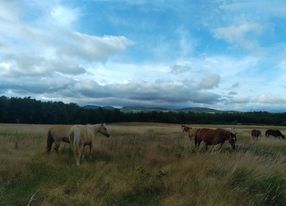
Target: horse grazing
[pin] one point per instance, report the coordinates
(56, 135)
(81, 135)
(274, 133)
(255, 133)
(214, 137)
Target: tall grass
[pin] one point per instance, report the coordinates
(142, 164)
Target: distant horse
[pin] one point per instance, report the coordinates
(81, 135)
(56, 135)
(214, 137)
(255, 133)
(274, 133)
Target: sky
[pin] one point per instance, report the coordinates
(221, 54)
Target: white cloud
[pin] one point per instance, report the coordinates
(40, 48)
(64, 16)
(240, 35)
(262, 8)
(270, 99)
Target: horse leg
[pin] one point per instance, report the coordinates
(82, 152)
(220, 147)
(90, 149)
(57, 146)
(199, 142)
(206, 146)
(78, 156)
(190, 137)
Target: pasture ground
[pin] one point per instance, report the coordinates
(142, 164)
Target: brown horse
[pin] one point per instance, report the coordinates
(214, 137)
(274, 133)
(81, 135)
(255, 133)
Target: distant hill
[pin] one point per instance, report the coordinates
(91, 107)
(159, 109)
(144, 109)
(198, 109)
(96, 107)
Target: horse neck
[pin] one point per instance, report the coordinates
(94, 128)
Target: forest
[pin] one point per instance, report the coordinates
(32, 111)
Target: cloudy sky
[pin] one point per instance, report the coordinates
(223, 54)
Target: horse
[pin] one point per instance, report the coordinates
(185, 128)
(255, 133)
(56, 135)
(81, 135)
(189, 130)
(274, 133)
(214, 137)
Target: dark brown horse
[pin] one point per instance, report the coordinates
(214, 137)
(274, 133)
(255, 133)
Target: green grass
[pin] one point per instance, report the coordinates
(143, 164)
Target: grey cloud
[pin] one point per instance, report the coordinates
(232, 93)
(148, 92)
(34, 85)
(235, 85)
(209, 81)
(183, 68)
(139, 93)
(26, 65)
(178, 69)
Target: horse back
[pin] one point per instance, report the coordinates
(255, 133)
(80, 134)
(60, 132)
(214, 136)
(274, 132)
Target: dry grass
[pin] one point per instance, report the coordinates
(142, 164)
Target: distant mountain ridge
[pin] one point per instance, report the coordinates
(158, 109)
(96, 107)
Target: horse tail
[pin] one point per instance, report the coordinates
(50, 141)
(76, 139)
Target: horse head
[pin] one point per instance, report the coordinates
(103, 130)
(232, 139)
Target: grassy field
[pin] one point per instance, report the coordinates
(142, 164)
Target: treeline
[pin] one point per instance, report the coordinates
(27, 110)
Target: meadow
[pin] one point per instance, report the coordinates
(141, 164)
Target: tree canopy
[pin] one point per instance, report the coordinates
(28, 110)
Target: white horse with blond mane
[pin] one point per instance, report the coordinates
(81, 135)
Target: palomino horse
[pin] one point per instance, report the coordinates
(185, 128)
(81, 135)
(214, 137)
(56, 135)
(189, 130)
